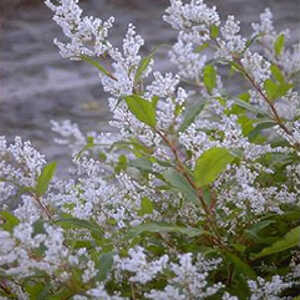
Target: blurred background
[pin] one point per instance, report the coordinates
(37, 85)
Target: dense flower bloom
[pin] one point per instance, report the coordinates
(195, 196)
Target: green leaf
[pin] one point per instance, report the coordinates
(122, 164)
(38, 227)
(143, 65)
(190, 115)
(214, 31)
(8, 221)
(210, 165)
(164, 163)
(254, 231)
(241, 266)
(245, 97)
(271, 88)
(291, 215)
(246, 124)
(284, 88)
(249, 107)
(96, 64)
(180, 183)
(274, 90)
(209, 77)
(154, 101)
(90, 144)
(290, 240)
(164, 228)
(142, 109)
(141, 164)
(277, 74)
(45, 293)
(45, 178)
(146, 207)
(200, 48)
(250, 42)
(63, 293)
(279, 44)
(102, 156)
(261, 126)
(239, 247)
(105, 265)
(69, 223)
(34, 290)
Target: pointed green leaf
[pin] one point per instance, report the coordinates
(144, 64)
(45, 178)
(245, 97)
(146, 207)
(241, 266)
(209, 77)
(250, 42)
(277, 74)
(279, 45)
(180, 183)
(258, 129)
(200, 48)
(69, 223)
(38, 227)
(122, 164)
(8, 221)
(90, 144)
(105, 265)
(274, 90)
(190, 115)
(214, 31)
(142, 109)
(210, 165)
(142, 67)
(246, 124)
(63, 293)
(96, 64)
(34, 290)
(290, 240)
(154, 101)
(164, 228)
(45, 293)
(254, 231)
(249, 107)
(271, 89)
(141, 164)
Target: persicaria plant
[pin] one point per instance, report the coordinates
(197, 195)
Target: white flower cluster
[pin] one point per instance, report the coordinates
(266, 25)
(293, 137)
(132, 220)
(88, 35)
(256, 65)
(231, 43)
(192, 20)
(124, 65)
(190, 64)
(18, 250)
(20, 165)
(190, 281)
(137, 263)
(289, 59)
(262, 289)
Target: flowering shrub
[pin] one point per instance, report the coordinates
(196, 197)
